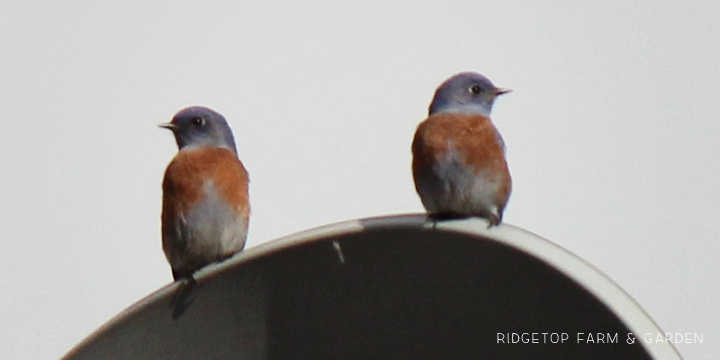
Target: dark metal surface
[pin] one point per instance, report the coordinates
(388, 288)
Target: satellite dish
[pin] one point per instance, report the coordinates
(398, 287)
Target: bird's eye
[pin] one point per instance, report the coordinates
(197, 121)
(475, 89)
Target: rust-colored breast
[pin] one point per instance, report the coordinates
(472, 136)
(187, 174)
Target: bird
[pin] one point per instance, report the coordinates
(206, 207)
(458, 164)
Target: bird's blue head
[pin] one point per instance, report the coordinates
(199, 126)
(467, 92)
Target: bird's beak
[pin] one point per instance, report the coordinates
(169, 126)
(500, 91)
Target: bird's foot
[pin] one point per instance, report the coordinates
(181, 299)
(493, 220)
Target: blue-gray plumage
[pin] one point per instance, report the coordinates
(205, 193)
(199, 126)
(468, 92)
(459, 163)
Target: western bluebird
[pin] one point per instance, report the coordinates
(205, 193)
(459, 162)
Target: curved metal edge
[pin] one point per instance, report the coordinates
(587, 275)
(584, 273)
(307, 236)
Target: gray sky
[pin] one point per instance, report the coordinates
(612, 135)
